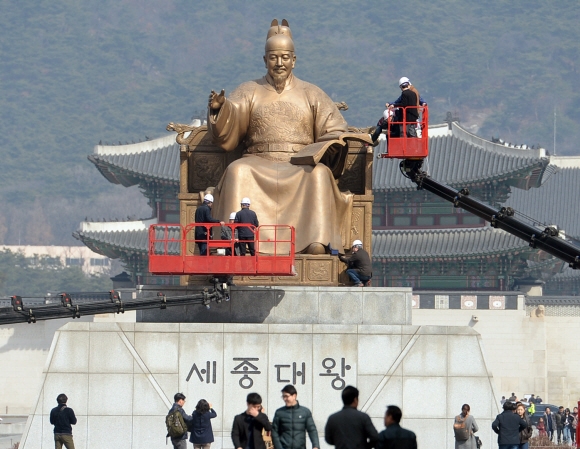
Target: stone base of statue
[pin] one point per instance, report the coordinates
(202, 166)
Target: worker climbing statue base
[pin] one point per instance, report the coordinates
(121, 377)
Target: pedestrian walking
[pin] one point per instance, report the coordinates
(567, 420)
(550, 423)
(558, 418)
(508, 426)
(63, 418)
(464, 428)
(177, 422)
(200, 427)
(291, 423)
(574, 424)
(350, 428)
(525, 434)
(395, 436)
(248, 426)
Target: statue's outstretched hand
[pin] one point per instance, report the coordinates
(216, 101)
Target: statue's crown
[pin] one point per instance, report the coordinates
(279, 36)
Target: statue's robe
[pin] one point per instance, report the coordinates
(272, 128)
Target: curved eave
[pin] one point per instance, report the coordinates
(445, 244)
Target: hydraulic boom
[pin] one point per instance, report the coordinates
(547, 239)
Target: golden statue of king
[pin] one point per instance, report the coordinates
(294, 140)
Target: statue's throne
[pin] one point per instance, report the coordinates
(202, 165)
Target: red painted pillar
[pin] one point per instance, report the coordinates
(578, 428)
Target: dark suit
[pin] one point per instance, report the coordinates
(350, 429)
(242, 424)
(395, 437)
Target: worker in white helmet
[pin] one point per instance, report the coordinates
(359, 265)
(203, 215)
(246, 233)
(227, 235)
(404, 84)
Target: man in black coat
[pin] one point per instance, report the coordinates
(248, 426)
(245, 233)
(359, 265)
(394, 436)
(203, 215)
(350, 428)
(63, 418)
(508, 426)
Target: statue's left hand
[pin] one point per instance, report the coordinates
(216, 101)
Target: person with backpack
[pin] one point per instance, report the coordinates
(200, 427)
(63, 418)
(464, 428)
(177, 421)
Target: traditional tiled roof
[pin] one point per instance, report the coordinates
(459, 158)
(113, 239)
(152, 160)
(467, 243)
(557, 202)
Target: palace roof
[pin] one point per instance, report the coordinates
(459, 158)
(558, 201)
(114, 239)
(458, 243)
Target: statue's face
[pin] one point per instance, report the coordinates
(280, 63)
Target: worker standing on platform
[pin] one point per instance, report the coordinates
(246, 233)
(359, 265)
(203, 215)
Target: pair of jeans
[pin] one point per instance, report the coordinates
(559, 436)
(567, 436)
(179, 443)
(524, 445)
(202, 248)
(356, 277)
(61, 439)
(508, 446)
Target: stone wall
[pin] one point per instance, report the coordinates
(121, 377)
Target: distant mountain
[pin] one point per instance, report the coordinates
(76, 73)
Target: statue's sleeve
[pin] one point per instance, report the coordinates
(328, 119)
(229, 126)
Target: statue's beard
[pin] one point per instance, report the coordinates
(280, 81)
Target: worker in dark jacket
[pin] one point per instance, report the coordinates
(245, 233)
(349, 428)
(359, 265)
(508, 426)
(248, 426)
(409, 97)
(181, 442)
(63, 418)
(394, 436)
(291, 423)
(203, 215)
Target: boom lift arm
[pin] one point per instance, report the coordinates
(547, 240)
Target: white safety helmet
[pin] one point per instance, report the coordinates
(357, 243)
(404, 80)
(245, 200)
(233, 216)
(208, 198)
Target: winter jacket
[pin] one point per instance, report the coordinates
(396, 437)
(549, 422)
(63, 418)
(241, 426)
(526, 434)
(290, 426)
(200, 427)
(508, 426)
(350, 429)
(203, 215)
(360, 261)
(246, 216)
(186, 418)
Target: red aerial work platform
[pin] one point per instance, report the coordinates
(172, 246)
(404, 147)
